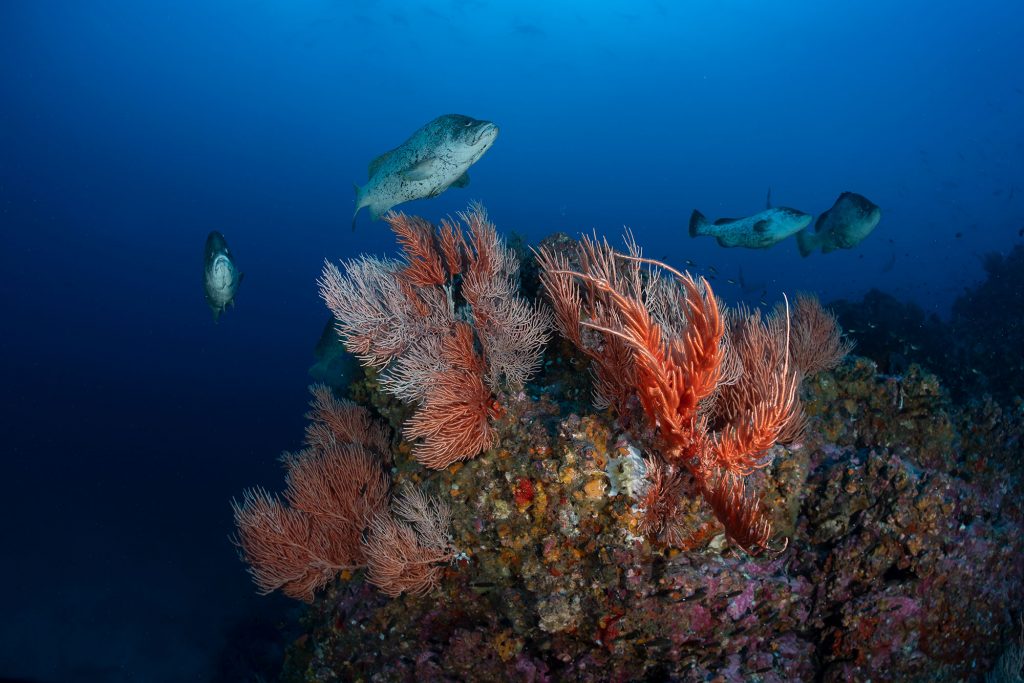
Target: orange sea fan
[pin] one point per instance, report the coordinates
(445, 327)
(341, 486)
(334, 420)
(406, 549)
(416, 236)
(691, 375)
(739, 512)
(611, 358)
(817, 342)
(755, 411)
(335, 487)
(454, 418)
(285, 548)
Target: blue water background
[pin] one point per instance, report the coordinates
(129, 130)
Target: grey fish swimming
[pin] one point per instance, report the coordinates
(220, 275)
(433, 159)
(759, 231)
(844, 226)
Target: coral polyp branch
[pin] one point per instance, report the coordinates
(719, 396)
(335, 513)
(445, 326)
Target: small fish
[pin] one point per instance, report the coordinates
(434, 158)
(759, 231)
(844, 226)
(220, 275)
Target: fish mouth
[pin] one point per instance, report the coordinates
(486, 133)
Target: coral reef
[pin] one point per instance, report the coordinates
(979, 350)
(596, 541)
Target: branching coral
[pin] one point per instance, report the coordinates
(407, 548)
(610, 355)
(721, 390)
(335, 488)
(817, 343)
(335, 511)
(445, 326)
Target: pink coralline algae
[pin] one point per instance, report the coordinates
(742, 603)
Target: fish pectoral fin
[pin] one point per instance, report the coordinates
(462, 180)
(421, 170)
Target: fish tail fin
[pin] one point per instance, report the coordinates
(698, 224)
(768, 199)
(807, 241)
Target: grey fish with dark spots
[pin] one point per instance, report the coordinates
(852, 218)
(759, 231)
(220, 275)
(434, 158)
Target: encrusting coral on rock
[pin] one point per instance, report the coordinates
(737, 503)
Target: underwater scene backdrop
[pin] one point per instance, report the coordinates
(690, 350)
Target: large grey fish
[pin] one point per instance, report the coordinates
(220, 276)
(844, 226)
(759, 231)
(433, 159)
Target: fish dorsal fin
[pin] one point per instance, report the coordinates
(768, 199)
(421, 170)
(377, 163)
(723, 221)
(462, 180)
(761, 226)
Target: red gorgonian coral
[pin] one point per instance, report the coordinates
(335, 513)
(720, 389)
(445, 326)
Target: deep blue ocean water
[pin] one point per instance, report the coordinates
(130, 130)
